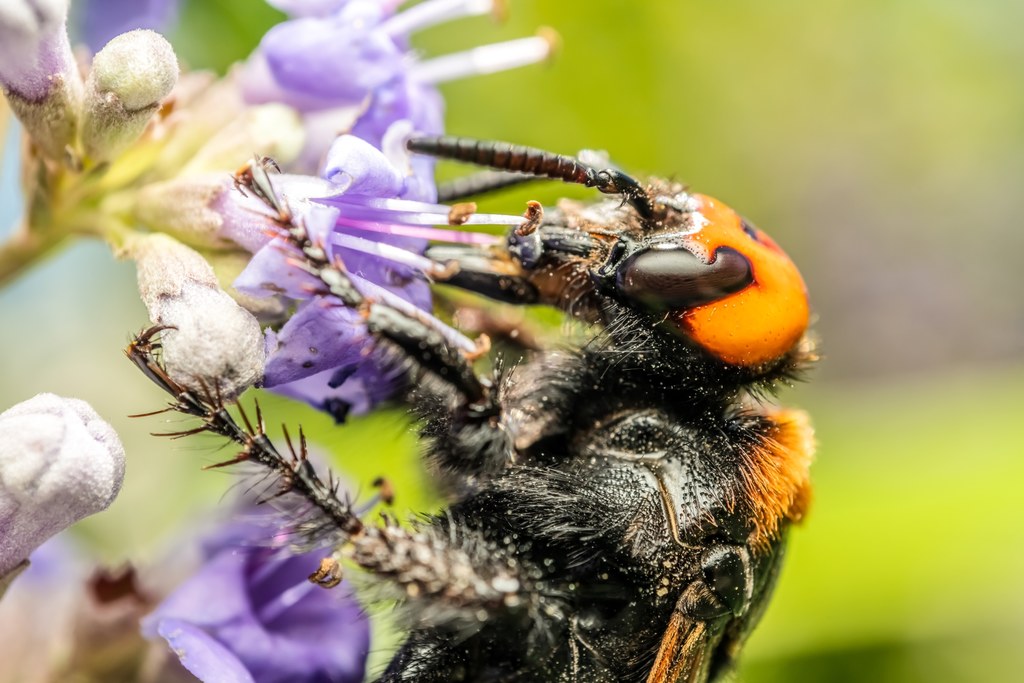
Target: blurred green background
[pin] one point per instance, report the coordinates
(881, 143)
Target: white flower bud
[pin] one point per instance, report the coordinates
(216, 345)
(38, 73)
(130, 76)
(59, 462)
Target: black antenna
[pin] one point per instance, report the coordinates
(505, 156)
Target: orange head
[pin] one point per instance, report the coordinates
(716, 279)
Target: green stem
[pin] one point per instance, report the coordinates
(24, 249)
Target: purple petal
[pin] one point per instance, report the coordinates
(251, 614)
(272, 271)
(246, 220)
(206, 658)
(320, 337)
(216, 595)
(359, 168)
(354, 392)
(259, 86)
(398, 99)
(340, 58)
(308, 8)
(314, 632)
(395, 277)
(97, 21)
(35, 52)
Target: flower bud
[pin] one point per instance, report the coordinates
(59, 462)
(128, 80)
(38, 73)
(215, 344)
(187, 209)
(207, 210)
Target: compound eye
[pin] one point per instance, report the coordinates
(674, 279)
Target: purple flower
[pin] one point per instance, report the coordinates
(38, 613)
(324, 354)
(95, 22)
(349, 62)
(347, 65)
(34, 47)
(251, 614)
(308, 8)
(38, 73)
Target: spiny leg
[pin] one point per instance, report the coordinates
(441, 567)
(426, 565)
(420, 336)
(465, 413)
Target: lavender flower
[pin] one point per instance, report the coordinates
(349, 67)
(324, 354)
(34, 46)
(59, 462)
(38, 73)
(38, 613)
(251, 614)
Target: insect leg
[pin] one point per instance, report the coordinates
(295, 473)
(444, 567)
(478, 184)
(485, 272)
(421, 337)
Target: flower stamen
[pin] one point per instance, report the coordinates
(432, 13)
(486, 59)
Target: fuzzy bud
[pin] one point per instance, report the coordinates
(59, 462)
(208, 211)
(215, 344)
(38, 73)
(187, 209)
(130, 76)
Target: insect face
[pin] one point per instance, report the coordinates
(716, 279)
(696, 265)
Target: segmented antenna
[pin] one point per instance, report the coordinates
(531, 161)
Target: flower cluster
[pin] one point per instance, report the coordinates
(348, 63)
(125, 148)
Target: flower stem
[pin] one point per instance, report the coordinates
(24, 249)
